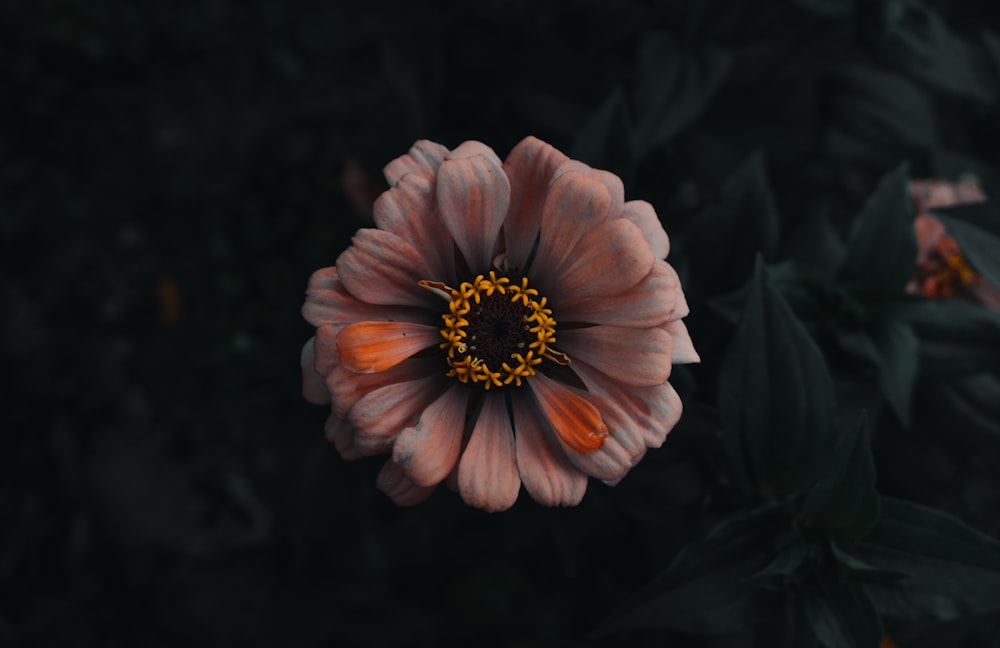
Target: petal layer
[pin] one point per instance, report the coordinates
(634, 357)
(487, 471)
(649, 303)
(381, 268)
(423, 160)
(574, 204)
(546, 472)
(429, 450)
(383, 413)
(643, 216)
(409, 210)
(473, 194)
(609, 259)
(329, 302)
(392, 481)
(684, 351)
(530, 168)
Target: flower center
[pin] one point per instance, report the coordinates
(496, 331)
(946, 273)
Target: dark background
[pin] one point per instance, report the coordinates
(171, 174)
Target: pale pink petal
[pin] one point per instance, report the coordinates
(683, 351)
(341, 433)
(609, 259)
(392, 481)
(530, 167)
(369, 347)
(655, 409)
(642, 214)
(313, 384)
(429, 450)
(329, 302)
(572, 417)
(383, 413)
(546, 472)
(487, 471)
(635, 357)
(616, 190)
(574, 204)
(423, 160)
(347, 387)
(472, 148)
(409, 210)
(930, 232)
(326, 354)
(647, 304)
(381, 268)
(680, 309)
(609, 462)
(473, 194)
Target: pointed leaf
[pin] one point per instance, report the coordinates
(894, 351)
(844, 503)
(605, 142)
(731, 232)
(955, 336)
(862, 571)
(675, 84)
(955, 570)
(882, 245)
(842, 615)
(703, 591)
(775, 397)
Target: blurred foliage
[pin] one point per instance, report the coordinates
(171, 174)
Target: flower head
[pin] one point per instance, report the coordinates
(942, 270)
(506, 323)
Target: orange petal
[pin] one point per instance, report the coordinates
(473, 194)
(574, 418)
(392, 481)
(423, 160)
(633, 356)
(530, 167)
(547, 474)
(313, 384)
(574, 204)
(487, 471)
(370, 347)
(429, 450)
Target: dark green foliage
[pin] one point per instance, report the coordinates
(171, 174)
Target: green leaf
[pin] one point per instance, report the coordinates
(732, 231)
(955, 336)
(775, 398)
(974, 400)
(783, 570)
(861, 571)
(955, 570)
(842, 615)
(976, 229)
(882, 244)
(844, 503)
(703, 590)
(605, 141)
(892, 348)
(675, 84)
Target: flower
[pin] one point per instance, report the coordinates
(942, 270)
(505, 324)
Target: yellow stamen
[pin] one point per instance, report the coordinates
(537, 328)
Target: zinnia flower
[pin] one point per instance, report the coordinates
(942, 270)
(506, 323)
